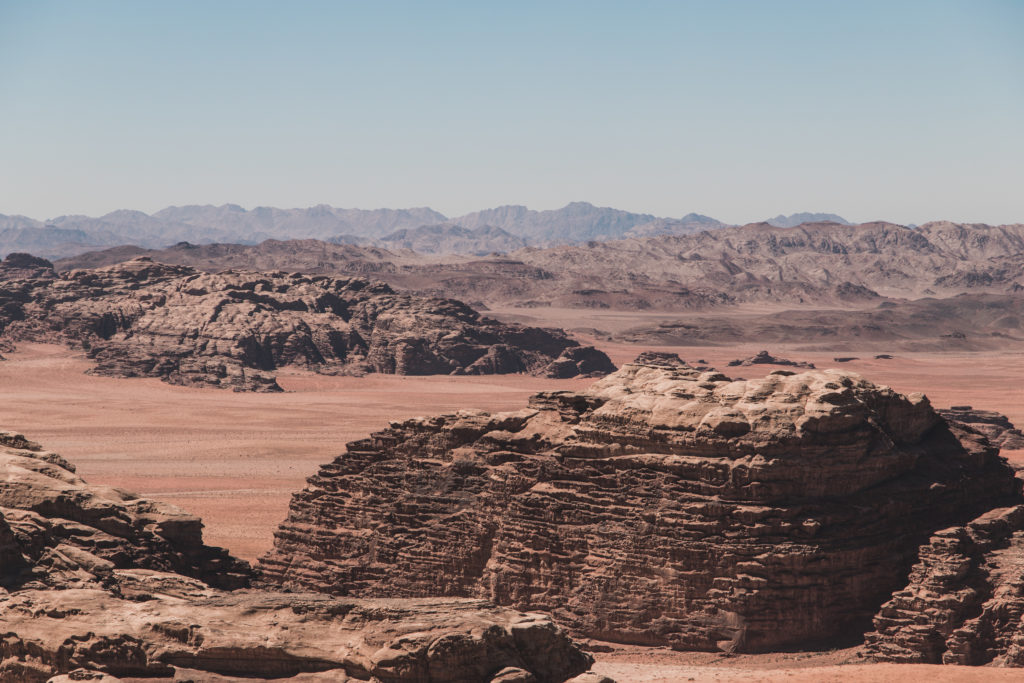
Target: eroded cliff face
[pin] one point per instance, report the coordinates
(964, 599)
(94, 581)
(232, 329)
(663, 505)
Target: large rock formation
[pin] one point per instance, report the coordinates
(19, 265)
(142, 318)
(663, 505)
(93, 579)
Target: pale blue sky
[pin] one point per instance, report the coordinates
(908, 111)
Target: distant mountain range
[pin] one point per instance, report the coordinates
(502, 229)
(795, 219)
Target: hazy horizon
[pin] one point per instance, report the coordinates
(448, 216)
(454, 216)
(739, 111)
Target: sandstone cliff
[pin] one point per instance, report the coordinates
(94, 581)
(663, 505)
(964, 600)
(232, 329)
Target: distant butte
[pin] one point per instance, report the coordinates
(765, 358)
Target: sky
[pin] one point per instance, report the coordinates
(905, 111)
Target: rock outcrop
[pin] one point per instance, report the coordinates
(964, 601)
(56, 531)
(232, 329)
(765, 358)
(95, 581)
(996, 426)
(172, 626)
(19, 265)
(663, 505)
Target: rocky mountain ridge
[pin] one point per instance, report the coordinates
(510, 227)
(795, 219)
(816, 264)
(448, 238)
(501, 229)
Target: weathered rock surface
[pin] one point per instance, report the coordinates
(19, 265)
(996, 426)
(57, 531)
(95, 581)
(663, 505)
(765, 358)
(232, 329)
(964, 601)
(260, 634)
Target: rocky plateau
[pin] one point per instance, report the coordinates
(233, 329)
(996, 426)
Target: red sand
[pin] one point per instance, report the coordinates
(234, 459)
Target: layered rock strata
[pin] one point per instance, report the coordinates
(964, 600)
(996, 426)
(663, 505)
(233, 329)
(95, 581)
(171, 629)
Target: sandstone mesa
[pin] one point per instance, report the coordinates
(233, 329)
(663, 505)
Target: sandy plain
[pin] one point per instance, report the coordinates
(234, 459)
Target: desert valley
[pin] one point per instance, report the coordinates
(591, 434)
(533, 342)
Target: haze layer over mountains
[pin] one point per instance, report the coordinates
(502, 229)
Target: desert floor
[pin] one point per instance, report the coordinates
(235, 459)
